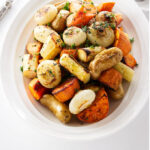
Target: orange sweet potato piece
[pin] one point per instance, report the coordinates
(66, 90)
(130, 61)
(36, 89)
(98, 110)
(111, 77)
(118, 18)
(122, 41)
(108, 6)
(71, 52)
(83, 15)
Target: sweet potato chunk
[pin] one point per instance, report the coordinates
(130, 61)
(118, 18)
(71, 52)
(98, 110)
(108, 6)
(36, 89)
(111, 77)
(66, 90)
(122, 41)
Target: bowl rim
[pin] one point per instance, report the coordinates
(70, 138)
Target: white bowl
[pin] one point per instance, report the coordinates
(16, 88)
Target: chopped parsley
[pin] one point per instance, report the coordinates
(63, 45)
(35, 70)
(84, 28)
(84, 11)
(51, 73)
(76, 90)
(21, 68)
(66, 7)
(73, 46)
(49, 24)
(92, 3)
(92, 46)
(113, 26)
(132, 40)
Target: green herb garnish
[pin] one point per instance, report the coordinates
(92, 3)
(49, 24)
(66, 7)
(84, 28)
(73, 46)
(63, 45)
(21, 68)
(132, 40)
(51, 73)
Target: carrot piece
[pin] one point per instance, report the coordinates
(111, 78)
(66, 90)
(118, 18)
(108, 6)
(36, 89)
(122, 41)
(71, 52)
(130, 61)
(121, 28)
(84, 15)
(98, 110)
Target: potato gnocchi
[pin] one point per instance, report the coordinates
(77, 59)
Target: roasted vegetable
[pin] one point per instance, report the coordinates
(66, 90)
(81, 101)
(116, 94)
(34, 48)
(75, 6)
(99, 35)
(107, 6)
(36, 89)
(104, 60)
(87, 54)
(92, 87)
(98, 110)
(30, 64)
(130, 61)
(69, 63)
(74, 36)
(51, 47)
(59, 109)
(83, 15)
(118, 18)
(49, 73)
(59, 23)
(111, 78)
(122, 41)
(71, 52)
(127, 72)
(46, 14)
(41, 33)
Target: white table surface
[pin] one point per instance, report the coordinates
(16, 134)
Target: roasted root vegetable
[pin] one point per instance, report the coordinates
(66, 90)
(75, 6)
(88, 53)
(130, 61)
(71, 52)
(83, 15)
(36, 89)
(81, 101)
(52, 47)
(118, 18)
(111, 78)
(107, 6)
(99, 35)
(116, 94)
(104, 60)
(46, 14)
(59, 23)
(34, 48)
(74, 36)
(49, 73)
(30, 64)
(127, 72)
(71, 64)
(98, 110)
(42, 32)
(59, 109)
(122, 41)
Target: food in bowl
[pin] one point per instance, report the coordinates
(77, 59)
